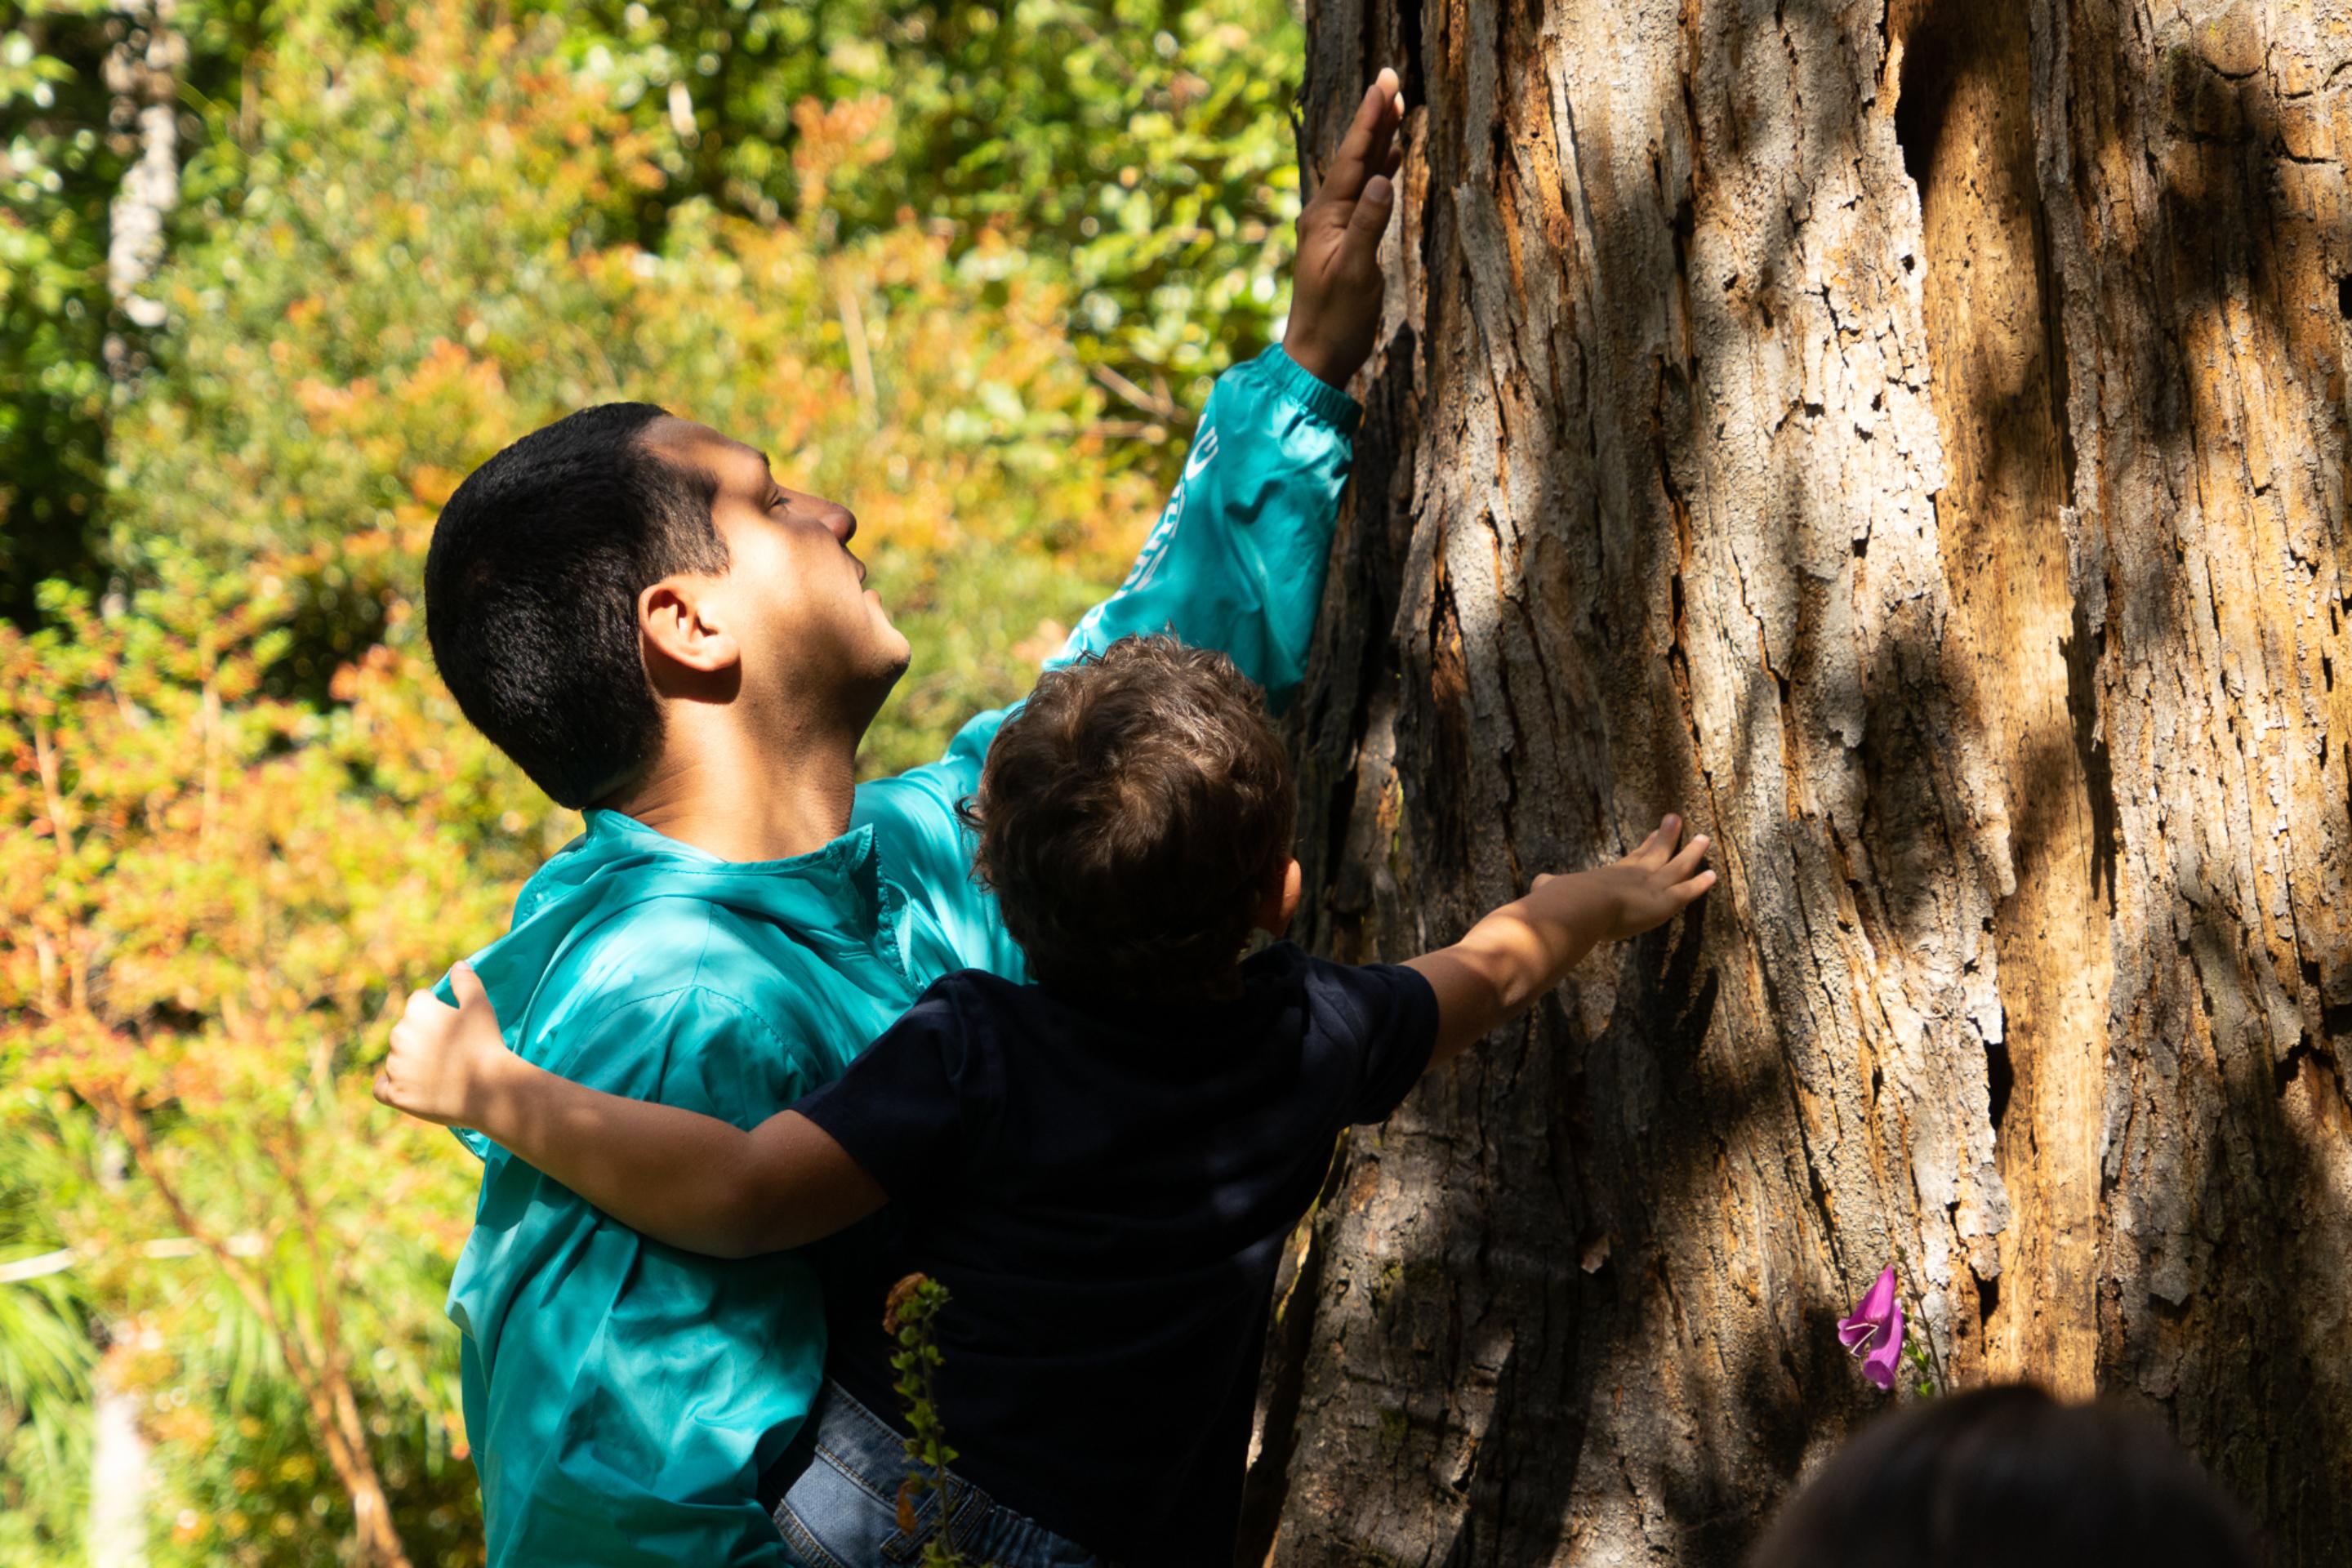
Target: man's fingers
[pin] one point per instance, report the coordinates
(1370, 218)
(465, 984)
(1344, 180)
(1365, 147)
(384, 1087)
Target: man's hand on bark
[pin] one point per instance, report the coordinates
(1335, 307)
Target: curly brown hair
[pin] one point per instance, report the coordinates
(1132, 815)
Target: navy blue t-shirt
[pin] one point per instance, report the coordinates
(1105, 1188)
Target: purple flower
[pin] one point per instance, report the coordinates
(1874, 1333)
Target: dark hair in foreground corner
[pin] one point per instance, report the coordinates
(1131, 816)
(2008, 1478)
(531, 585)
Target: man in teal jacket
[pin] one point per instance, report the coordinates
(634, 609)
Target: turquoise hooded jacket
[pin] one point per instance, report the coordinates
(622, 1398)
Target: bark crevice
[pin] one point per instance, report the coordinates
(1910, 440)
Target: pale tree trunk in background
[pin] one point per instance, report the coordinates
(119, 1450)
(1910, 439)
(316, 1357)
(118, 1478)
(142, 76)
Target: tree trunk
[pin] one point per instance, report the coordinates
(143, 79)
(1908, 438)
(119, 1454)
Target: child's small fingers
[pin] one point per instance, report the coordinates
(465, 984)
(1693, 856)
(383, 1086)
(1660, 841)
(1689, 892)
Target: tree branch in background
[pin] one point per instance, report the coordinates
(1158, 404)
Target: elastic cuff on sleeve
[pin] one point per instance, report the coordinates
(1317, 396)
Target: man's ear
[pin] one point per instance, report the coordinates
(684, 627)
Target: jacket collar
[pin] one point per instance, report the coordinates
(835, 895)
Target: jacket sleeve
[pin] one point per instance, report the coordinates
(1236, 562)
(622, 1398)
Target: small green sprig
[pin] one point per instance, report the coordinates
(1925, 1381)
(915, 1301)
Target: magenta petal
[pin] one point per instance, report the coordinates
(1864, 1330)
(1879, 1364)
(1878, 1301)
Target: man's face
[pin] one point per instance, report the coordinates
(810, 629)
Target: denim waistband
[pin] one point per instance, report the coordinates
(844, 1436)
(844, 1440)
(858, 1440)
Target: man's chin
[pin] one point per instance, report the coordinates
(891, 661)
(882, 677)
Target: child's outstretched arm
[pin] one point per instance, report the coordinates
(691, 1179)
(1524, 949)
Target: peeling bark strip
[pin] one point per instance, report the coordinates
(1909, 438)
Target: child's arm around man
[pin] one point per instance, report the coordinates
(657, 630)
(1102, 1163)
(706, 1185)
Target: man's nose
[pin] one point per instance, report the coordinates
(842, 521)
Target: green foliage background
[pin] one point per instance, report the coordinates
(968, 268)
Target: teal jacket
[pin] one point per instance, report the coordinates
(622, 1398)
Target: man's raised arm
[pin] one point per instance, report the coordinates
(1236, 561)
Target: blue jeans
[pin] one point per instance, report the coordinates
(841, 1510)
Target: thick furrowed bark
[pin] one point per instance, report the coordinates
(2195, 174)
(1909, 440)
(1993, 345)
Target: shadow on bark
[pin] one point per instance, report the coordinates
(2230, 1314)
(1557, 1226)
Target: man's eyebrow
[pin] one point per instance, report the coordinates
(766, 465)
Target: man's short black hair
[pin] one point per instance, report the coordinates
(1132, 815)
(531, 585)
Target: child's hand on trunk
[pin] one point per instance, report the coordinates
(1507, 961)
(1639, 893)
(1335, 301)
(444, 1060)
